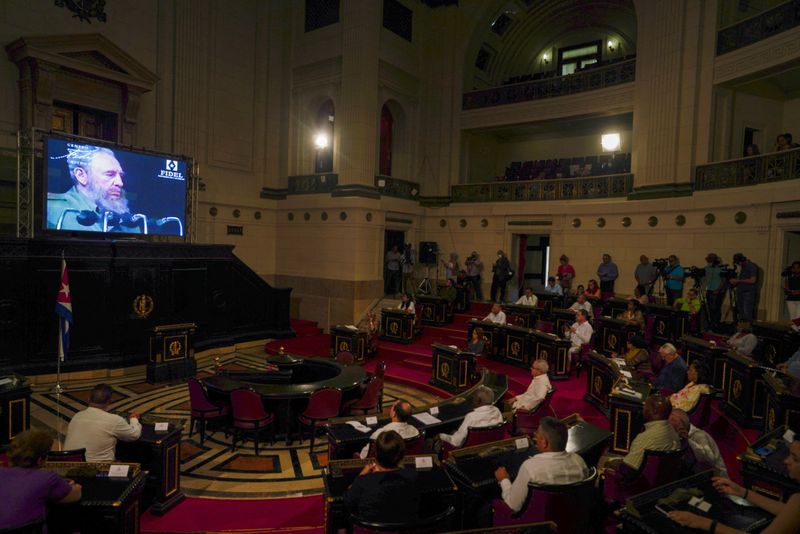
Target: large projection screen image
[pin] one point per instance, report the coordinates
(92, 188)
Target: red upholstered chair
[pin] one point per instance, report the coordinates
(479, 436)
(658, 468)
(323, 404)
(415, 445)
(554, 503)
(440, 522)
(202, 409)
(579, 359)
(369, 401)
(649, 321)
(700, 415)
(526, 422)
(250, 417)
(345, 358)
(380, 372)
(74, 455)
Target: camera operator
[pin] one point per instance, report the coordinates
(791, 288)
(745, 285)
(673, 279)
(646, 275)
(715, 289)
(474, 267)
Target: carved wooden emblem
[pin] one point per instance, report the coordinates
(143, 306)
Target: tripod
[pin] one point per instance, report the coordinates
(701, 294)
(425, 287)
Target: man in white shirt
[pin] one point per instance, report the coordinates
(537, 390)
(703, 446)
(497, 315)
(97, 431)
(552, 287)
(579, 333)
(528, 299)
(552, 466)
(400, 413)
(582, 304)
(483, 415)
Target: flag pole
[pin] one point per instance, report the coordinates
(59, 355)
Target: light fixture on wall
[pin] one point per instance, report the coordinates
(545, 58)
(610, 142)
(321, 141)
(611, 45)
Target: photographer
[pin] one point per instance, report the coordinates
(673, 279)
(791, 288)
(646, 275)
(715, 289)
(745, 286)
(474, 267)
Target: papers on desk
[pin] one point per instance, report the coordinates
(788, 436)
(4, 381)
(426, 418)
(619, 361)
(630, 393)
(351, 327)
(453, 347)
(625, 373)
(360, 427)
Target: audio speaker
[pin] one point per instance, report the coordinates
(428, 251)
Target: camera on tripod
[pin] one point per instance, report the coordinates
(661, 264)
(726, 271)
(695, 272)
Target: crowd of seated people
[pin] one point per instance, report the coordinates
(577, 166)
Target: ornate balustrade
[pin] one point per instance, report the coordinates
(589, 80)
(758, 27)
(613, 185)
(766, 168)
(395, 187)
(312, 183)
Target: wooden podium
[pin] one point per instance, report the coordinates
(353, 340)
(783, 401)
(397, 325)
(709, 354)
(614, 335)
(434, 311)
(777, 340)
(171, 353)
(665, 324)
(452, 369)
(522, 316)
(15, 407)
(744, 396)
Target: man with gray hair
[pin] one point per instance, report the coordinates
(703, 446)
(672, 376)
(484, 414)
(400, 413)
(97, 192)
(537, 390)
(551, 466)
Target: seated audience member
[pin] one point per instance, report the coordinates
(484, 414)
(688, 397)
(751, 150)
(528, 299)
(658, 434)
(551, 466)
(579, 333)
(743, 341)
(97, 431)
(632, 314)
(640, 297)
(566, 273)
(703, 446)
(787, 515)
(690, 303)
(638, 355)
(385, 491)
(582, 304)
(673, 374)
(592, 289)
(792, 365)
(477, 342)
(448, 291)
(580, 290)
(400, 413)
(537, 390)
(406, 303)
(497, 315)
(25, 489)
(552, 287)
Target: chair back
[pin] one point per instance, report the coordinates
(247, 404)
(526, 422)
(700, 415)
(324, 404)
(345, 358)
(661, 467)
(415, 445)
(649, 321)
(380, 369)
(371, 395)
(479, 436)
(656, 362)
(73, 455)
(436, 523)
(197, 396)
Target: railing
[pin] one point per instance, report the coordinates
(312, 183)
(758, 27)
(774, 167)
(589, 80)
(612, 185)
(395, 187)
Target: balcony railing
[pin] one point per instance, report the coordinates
(312, 183)
(612, 185)
(774, 167)
(589, 80)
(758, 27)
(395, 187)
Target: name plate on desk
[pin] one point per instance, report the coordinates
(161, 427)
(119, 470)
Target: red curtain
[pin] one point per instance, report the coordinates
(387, 122)
(523, 248)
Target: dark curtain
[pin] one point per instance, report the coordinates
(523, 248)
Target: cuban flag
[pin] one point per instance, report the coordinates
(64, 312)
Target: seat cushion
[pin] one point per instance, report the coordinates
(251, 424)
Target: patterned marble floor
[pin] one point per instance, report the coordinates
(211, 471)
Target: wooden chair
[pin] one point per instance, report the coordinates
(658, 468)
(700, 415)
(250, 417)
(345, 358)
(203, 409)
(526, 422)
(323, 404)
(415, 445)
(479, 436)
(369, 402)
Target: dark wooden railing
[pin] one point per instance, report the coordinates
(588, 80)
(312, 183)
(395, 187)
(758, 27)
(613, 185)
(773, 167)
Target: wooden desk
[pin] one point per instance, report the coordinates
(522, 316)
(397, 325)
(452, 369)
(552, 348)
(614, 306)
(435, 311)
(778, 341)
(461, 304)
(768, 475)
(614, 335)
(353, 340)
(435, 488)
(783, 401)
(494, 334)
(15, 411)
(563, 318)
(601, 376)
(171, 353)
(159, 454)
(667, 324)
(517, 346)
(709, 354)
(626, 416)
(547, 301)
(744, 397)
